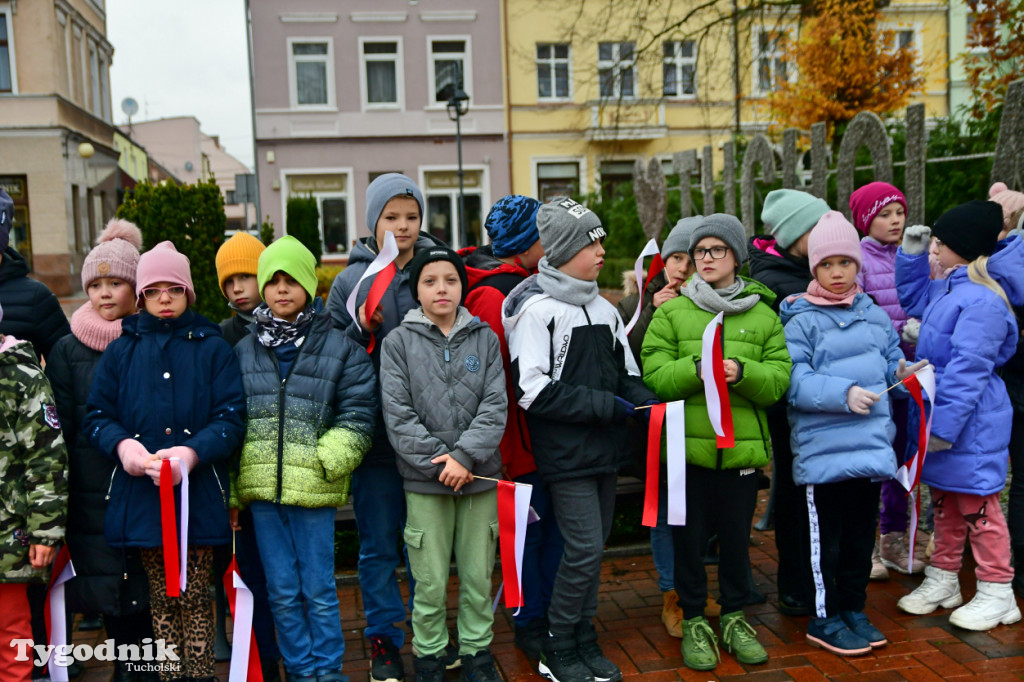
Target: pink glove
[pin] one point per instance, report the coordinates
(187, 456)
(134, 456)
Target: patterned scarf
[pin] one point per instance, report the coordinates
(273, 331)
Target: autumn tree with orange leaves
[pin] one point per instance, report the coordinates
(845, 64)
(997, 55)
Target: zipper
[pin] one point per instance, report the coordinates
(223, 496)
(721, 457)
(448, 383)
(110, 487)
(280, 417)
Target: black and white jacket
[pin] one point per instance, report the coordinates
(569, 362)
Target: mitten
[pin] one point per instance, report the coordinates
(911, 330)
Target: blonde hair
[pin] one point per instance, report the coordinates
(977, 272)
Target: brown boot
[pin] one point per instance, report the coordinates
(712, 609)
(671, 614)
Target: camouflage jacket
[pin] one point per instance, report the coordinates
(33, 465)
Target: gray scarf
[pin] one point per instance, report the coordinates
(712, 300)
(557, 284)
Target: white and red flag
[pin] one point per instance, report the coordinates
(55, 616)
(175, 546)
(513, 516)
(671, 415)
(909, 475)
(384, 264)
(657, 265)
(245, 657)
(716, 390)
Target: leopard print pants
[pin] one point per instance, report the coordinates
(186, 620)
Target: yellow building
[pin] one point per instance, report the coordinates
(133, 160)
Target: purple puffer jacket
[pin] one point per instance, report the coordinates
(877, 277)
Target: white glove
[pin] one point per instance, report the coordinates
(936, 444)
(911, 330)
(187, 455)
(860, 400)
(902, 371)
(915, 239)
(134, 456)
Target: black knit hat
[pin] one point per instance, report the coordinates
(435, 253)
(970, 229)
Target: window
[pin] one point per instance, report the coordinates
(382, 73)
(557, 179)
(7, 75)
(615, 174)
(95, 101)
(615, 63)
(449, 68)
(770, 63)
(441, 191)
(981, 28)
(553, 79)
(331, 193)
(679, 68)
(312, 72)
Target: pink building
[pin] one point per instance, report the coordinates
(347, 91)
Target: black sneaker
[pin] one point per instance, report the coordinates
(479, 668)
(600, 667)
(450, 658)
(385, 661)
(428, 669)
(530, 637)
(560, 661)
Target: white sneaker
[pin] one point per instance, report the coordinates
(878, 571)
(993, 604)
(894, 553)
(940, 588)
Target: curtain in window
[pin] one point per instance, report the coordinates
(381, 84)
(311, 81)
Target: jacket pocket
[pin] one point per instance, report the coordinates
(495, 534)
(417, 558)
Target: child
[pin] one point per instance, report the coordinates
(107, 581)
(33, 469)
(1010, 201)
(968, 331)
(578, 385)
(237, 259)
(393, 204)
(845, 355)
(757, 367)
(880, 213)
(445, 415)
(311, 398)
(169, 386)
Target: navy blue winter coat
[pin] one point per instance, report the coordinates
(167, 383)
(967, 332)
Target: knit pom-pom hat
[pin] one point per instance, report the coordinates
(115, 255)
(1008, 199)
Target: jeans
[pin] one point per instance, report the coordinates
(541, 554)
(379, 504)
(661, 539)
(297, 548)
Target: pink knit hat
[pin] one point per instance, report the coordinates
(833, 236)
(163, 263)
(867, 201)
(1009, 200)
(116, 253)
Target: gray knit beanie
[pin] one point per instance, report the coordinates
(383, 189)
(678, 240)
(566, 228)
(726, 227)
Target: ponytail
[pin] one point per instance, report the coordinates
(977, 272)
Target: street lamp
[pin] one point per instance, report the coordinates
(458, 106)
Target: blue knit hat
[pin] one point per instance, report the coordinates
(383, 189)
(789, 214)
(512, 225)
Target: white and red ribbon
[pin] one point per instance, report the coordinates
(384, 264)
(513, 517)
(651, 249)
(716, 390)
(56, 616)
(673, 417)
(245, 657)
(909, 475)
(175, 546)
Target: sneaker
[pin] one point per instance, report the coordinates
(700, 647)
(833, 635)
(790, 605)
(450, 658)
(740, 639)
(940, 588)
(530, 637)
(428, 669)
(993, 604)
(479, 667)
(895, 555)
(860, 625)
(671, 614)
(385, 661)
(878, 570)
(590, 652)
(560, 661)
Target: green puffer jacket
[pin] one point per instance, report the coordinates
(671, 350)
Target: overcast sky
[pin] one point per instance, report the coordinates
(184, 58)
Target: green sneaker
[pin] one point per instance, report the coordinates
(740, 639)
(700, 647)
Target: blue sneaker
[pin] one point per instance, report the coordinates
(860, 625)
(832, 635)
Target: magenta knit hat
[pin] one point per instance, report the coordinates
(163, 263)
(116, 253)
(833, 236)
(1008, 199)
(867, 201)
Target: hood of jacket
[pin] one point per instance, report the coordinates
(516, 302)
(418, 322)
(481, 264)
(19, 353)
(365, 249)
(13, 265)
(1006, 266)
(189, 323)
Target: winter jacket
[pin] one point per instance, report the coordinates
(569, 362)
(167, 383)
(877, 277)
(834, 348)
(968, 333)
(627, 308)
(777, 269)
(446, 395)
(754, 339)
(107, 580)
(307, 433)
(31, 312)
(396, 302)
(234, 329)
(33, 465)
(1013, 371)
(490, 281)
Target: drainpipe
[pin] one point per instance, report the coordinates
(508, 93)
(252, 112)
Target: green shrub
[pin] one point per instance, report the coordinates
(302, 221)
(325, 275)
(267, 232)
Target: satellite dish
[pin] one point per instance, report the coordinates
(129, 106)
(188, 166)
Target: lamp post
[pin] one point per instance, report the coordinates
(458, 106)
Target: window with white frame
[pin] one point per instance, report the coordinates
(382, 73)
(557, 179)
(903, 37)
(6, 52)
(449, 68)
(553, 72)
(679, 68)
(770, 65)
(615, 65)
(981, 27)
(311, 71)
(331, 193)
(441, 192)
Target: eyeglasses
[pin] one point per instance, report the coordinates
(155, 293)
(717, 252)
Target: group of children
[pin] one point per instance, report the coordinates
(505, 361)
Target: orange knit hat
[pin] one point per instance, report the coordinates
(239, 255)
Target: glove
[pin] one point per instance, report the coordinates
(624, 408)
(936, 444)
(915, 239)
(645, 415)
(902, 371)
(860, 400)
(911, 330)
(187, 455)
(134, 456)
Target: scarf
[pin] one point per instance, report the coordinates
(716, 301)
(273, 331)
(557, 284)
(819, 295)
(91, 329)
(247, 316)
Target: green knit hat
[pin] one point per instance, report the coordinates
(288, 255)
